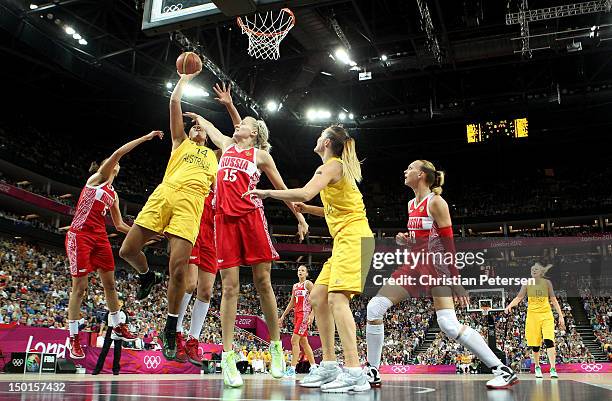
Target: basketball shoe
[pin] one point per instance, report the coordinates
(147, 282)
(181, 354)
(168, 344)
(192, 351)
(504, 378)
(231, 375)
(321, 374)
(74, 347)
(121, 332)
(538, 372)
(553, 373)
(277, 366)
(348, 381)
(373, 375)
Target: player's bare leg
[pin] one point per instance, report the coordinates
(229, 303)
(120, 329)
(131, 252)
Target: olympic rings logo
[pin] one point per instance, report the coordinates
(591, 367)
(152, 362)
(17, 362)
(172, 8)
(400, 369)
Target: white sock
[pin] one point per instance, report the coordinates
(73, 326)
(182, 310)
(375, 337)
(113, 318)
(198, 317)
(472, 340)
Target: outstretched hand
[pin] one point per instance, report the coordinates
(153, 134)
(260, 193)
(224, 94)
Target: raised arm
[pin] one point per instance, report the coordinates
(220, 140)
(224, 96)
(108, 165)
(555, 303)
(265, 162)
(322, 177)
(177, 127)
(120, 225)
(517, 300)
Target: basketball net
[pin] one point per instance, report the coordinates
(485, 310)
(266, 31)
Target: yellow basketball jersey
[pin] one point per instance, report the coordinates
(537, 297)
(342, 203)
(191, 167)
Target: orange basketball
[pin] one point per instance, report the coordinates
(188, 63)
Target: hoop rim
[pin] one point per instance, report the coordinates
(272, 34)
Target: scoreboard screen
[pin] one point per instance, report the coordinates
(483, 132)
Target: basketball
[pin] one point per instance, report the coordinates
(188, 63)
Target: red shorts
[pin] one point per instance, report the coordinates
(416, 279)
(243, 240)
(300, 326)
(88, 253)
(204, 253)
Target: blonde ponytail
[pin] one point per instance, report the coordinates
(261, 140)
(343, 146)
(351, 164)
(434, 178)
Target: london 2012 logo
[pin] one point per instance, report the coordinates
(591, 367)
(152, 361)
(400, 369)
(33, 363)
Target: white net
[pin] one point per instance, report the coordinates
(266, 31)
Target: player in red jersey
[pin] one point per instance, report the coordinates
(88, 247)
(429, 230)
(201, 275)
(302, 319)
(241, 230)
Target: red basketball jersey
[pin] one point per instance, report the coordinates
(300, 298)
(94, 202)
(237, 174)
(420, 221)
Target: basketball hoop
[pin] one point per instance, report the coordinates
(485, 310)
(266, 31)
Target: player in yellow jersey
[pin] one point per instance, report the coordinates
(344, 274)
(174, 209)
(540, 323)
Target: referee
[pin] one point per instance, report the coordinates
(108, 339)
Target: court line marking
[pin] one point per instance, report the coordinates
(173, 396)
(606, 386)
(426, 389)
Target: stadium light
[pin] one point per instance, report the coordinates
(83, 42)
(69, 30)
(169, 85)
(343, 56)
(33, 6)
(341, 116)
(195, 91)
(271, 106)
(351, 116)
(76, 36)
(311, 114)
(384, 57)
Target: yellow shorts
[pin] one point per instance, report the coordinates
(539, 326)
(173, 211)
(348, 267)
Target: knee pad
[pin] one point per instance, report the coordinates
(535, 349)
(377, 307)
(549, 343)
(447, 320)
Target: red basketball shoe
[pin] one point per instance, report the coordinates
(74, 347)
(181, 355)
(121, 332)
(192, 351)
